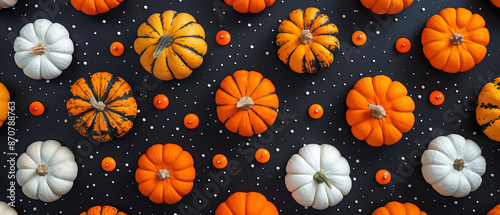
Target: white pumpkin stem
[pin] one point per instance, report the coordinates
(306, 37)
(459, 164)
(377, 111)
(42, 170)
(319, 178)
(99, 106)
(245, 103)
(163, 174)
(457, 39)
(165, 41)
(38, 49)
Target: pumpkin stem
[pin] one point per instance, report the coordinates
(459, 164)
(305, 37)
(245, 103)
(42, 170)
(99, 106)
(163, 174)
(38, 49)
(319, 178)
(457, 39)
(164, 42)
(377, 111)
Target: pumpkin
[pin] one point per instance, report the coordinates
(488, 111)
(5, 209)
(306, 41)
(4, 103)
(170, 45)
(318, 176)
(455, 40)
(103, 210)
(251, 203)
(94, 7)
(102, 106)
(397, 208)
(379, 110)
(453, 165)
(43, 49)
(7, 3)
(252, 6)
(386, 6)
(494, 211)
(496, 2)
(46, 170)
(247, 103)
(165, 173)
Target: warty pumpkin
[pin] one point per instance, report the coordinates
(7, 3)
(455, 40)
(5, 209)
(165, 173)
(102, 106)
(103, 210)
(494, 211)
(252, 6)
(307, 41)
(247, 103)
(94, 7)
(4, 103)
(251, 203)
(386, 6)
(397, 208)
(379, 110)
(488, 110)
(170, 45)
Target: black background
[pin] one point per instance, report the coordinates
(92, 36)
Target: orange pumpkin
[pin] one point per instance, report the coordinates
(94, 7)
(165, 173)
(396, 208)
(4, 103)
(252, 6)
(379, 110)
(386, 6)
(103, 210)
(247, 103)
(251, 203)
(496, 2)
(455, 40)
(494, 211)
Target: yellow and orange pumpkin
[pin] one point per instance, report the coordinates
(252, 6)
(488, 110)
(102, 106)
(94, 7)
(103, 210)
(455, 40)
(247, 103)
(307, 41)
(397, 208)
(241, 203)
(4, 103)
(386, 6)
(170, 45)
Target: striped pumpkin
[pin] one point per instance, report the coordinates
(171, 45)
(103, 210)
(102, 106)
(488, 110)
(247, 103)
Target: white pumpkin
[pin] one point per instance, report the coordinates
(46, 170)
(5, 209)
(7, 3)
(318, 176)
(43, 49)
(453, 165)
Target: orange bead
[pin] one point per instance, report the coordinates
(219, 161)
(262, 155)
(36, 108)
(191, 121)
(383, 177)
(161, 101)
(315, 111)
(403, 45)
(358, 38)
(436, 98)
(108, 164)
(116, 49)
(223, 38)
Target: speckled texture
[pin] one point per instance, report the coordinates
(252, 48)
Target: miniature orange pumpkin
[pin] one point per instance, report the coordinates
(94, 7)
(4, 103)
(496, 2)
(494, 211)
(386, 6)
(103, 210)
(455, 40)
(247, 103)
(488, 110)
(379, 110)
(252, 6)
(165, 173)
(396, 208)
(307, 41)
(251, 203)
